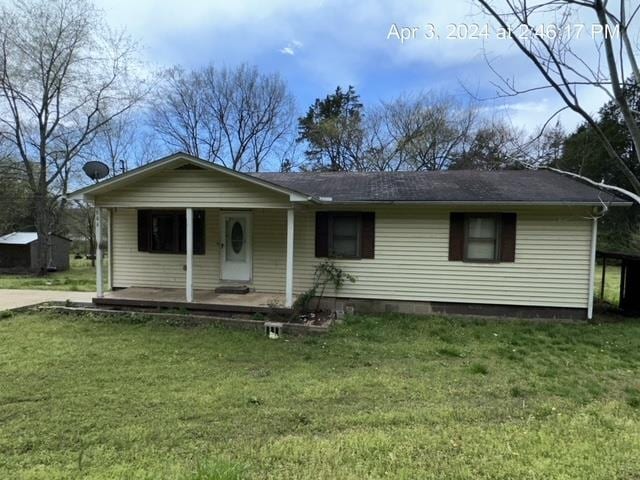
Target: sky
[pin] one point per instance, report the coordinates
(316, 45)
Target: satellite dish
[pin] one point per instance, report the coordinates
(95, 170)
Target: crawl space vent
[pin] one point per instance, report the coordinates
(273, 329)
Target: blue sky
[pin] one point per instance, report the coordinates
(319, 44)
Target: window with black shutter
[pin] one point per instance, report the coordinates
(164, 231)
(344, 236)
(349, 235)
(482, 237)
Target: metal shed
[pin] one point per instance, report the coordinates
(19, 252)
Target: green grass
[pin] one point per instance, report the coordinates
(379, 397)
(81, 277)
(611, 284)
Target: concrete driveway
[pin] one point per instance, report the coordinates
(23, 298)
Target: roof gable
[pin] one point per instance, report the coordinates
(178, 161)
(187, 187)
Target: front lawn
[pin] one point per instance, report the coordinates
(81, 277)
(379, 397)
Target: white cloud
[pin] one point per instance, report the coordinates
(344, 42)
(531, 112)
(291, 48)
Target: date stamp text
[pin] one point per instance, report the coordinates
(484, 31)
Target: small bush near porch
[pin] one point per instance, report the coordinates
(393, 397)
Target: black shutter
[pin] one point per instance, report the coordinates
(508, 237)
(198, 232)
(144, 230)
(456, 236)
(322, 234)
(180, 232)
(368, 235)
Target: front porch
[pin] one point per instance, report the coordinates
(203, 300)
(182, 278)
(191, 226)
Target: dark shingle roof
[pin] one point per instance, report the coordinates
(517, 186)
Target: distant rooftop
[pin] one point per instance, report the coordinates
(23, 238)
(18, 238)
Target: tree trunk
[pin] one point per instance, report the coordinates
(90, 233)
(42, 224)
(92, 251)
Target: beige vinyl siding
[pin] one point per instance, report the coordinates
(269, 250)
(411, 260)
(192, 188)
(143, 269)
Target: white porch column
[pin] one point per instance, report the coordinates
(189, 292)
(592, 267)
(289, 273)
(98, 221)
(110, 249)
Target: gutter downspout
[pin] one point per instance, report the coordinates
(592, 267)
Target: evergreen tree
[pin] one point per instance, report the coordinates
(584, 153)
(333, 131)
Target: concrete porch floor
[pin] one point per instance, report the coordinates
(202, 299)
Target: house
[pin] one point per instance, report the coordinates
(19, 252)
(507, 242)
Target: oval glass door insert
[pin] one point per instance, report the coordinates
(237, 237)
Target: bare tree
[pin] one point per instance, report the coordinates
(15, 197)
(382, 141)
(493, 145)
(237, 117)
(254, 111)
(114, 144)
(547, 147)
(423, 132)
(564, 70)
(123, 143)
(63, 76)
(180, 116)
(80, 222)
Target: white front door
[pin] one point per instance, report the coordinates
(236, 248)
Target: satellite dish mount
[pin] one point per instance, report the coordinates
(95, 170)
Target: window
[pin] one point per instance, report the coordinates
(487, 237)
(481, 238)
(345, 234)
(165, 234)
(164, 231)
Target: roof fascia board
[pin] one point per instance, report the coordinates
(87, 193)
(469, 203)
